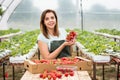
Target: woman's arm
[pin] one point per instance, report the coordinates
(71, 46)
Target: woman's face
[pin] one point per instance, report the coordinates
(50, 20)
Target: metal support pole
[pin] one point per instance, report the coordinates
(38, 54)
(81, 15)
(77, 50)
(115, 39)
(13, 72)
(3, 70)
(103, 72)
(0, 40)
(94, 71)
(117, 71)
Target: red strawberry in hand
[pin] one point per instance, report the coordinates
(72, 35)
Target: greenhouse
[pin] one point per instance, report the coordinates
(59, 39)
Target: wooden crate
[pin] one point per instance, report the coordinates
(34, 68)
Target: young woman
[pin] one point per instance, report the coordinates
(52, 40)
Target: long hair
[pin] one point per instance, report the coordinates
(43, 26)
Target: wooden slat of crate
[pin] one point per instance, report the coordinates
(79, 75)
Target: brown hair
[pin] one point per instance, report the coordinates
(43, 26)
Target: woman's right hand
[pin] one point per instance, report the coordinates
(69, 43)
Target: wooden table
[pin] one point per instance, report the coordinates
(79, 75)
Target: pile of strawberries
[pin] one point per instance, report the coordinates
(54, 74)
(61, 61)
(71, 36)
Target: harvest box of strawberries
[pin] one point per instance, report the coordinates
(38, 66)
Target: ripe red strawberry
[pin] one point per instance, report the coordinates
(44, 76)
(41, 75)
(71, 36)
(76, 60)
(71, 73)
(66, 74)
(65, 59)
(54, 77)
(59, 75)
(43, 61)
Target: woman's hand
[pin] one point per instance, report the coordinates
(69, 43)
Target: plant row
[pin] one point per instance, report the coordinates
(96, 44)
(21, 44)
(109, 31)
(5, 32)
